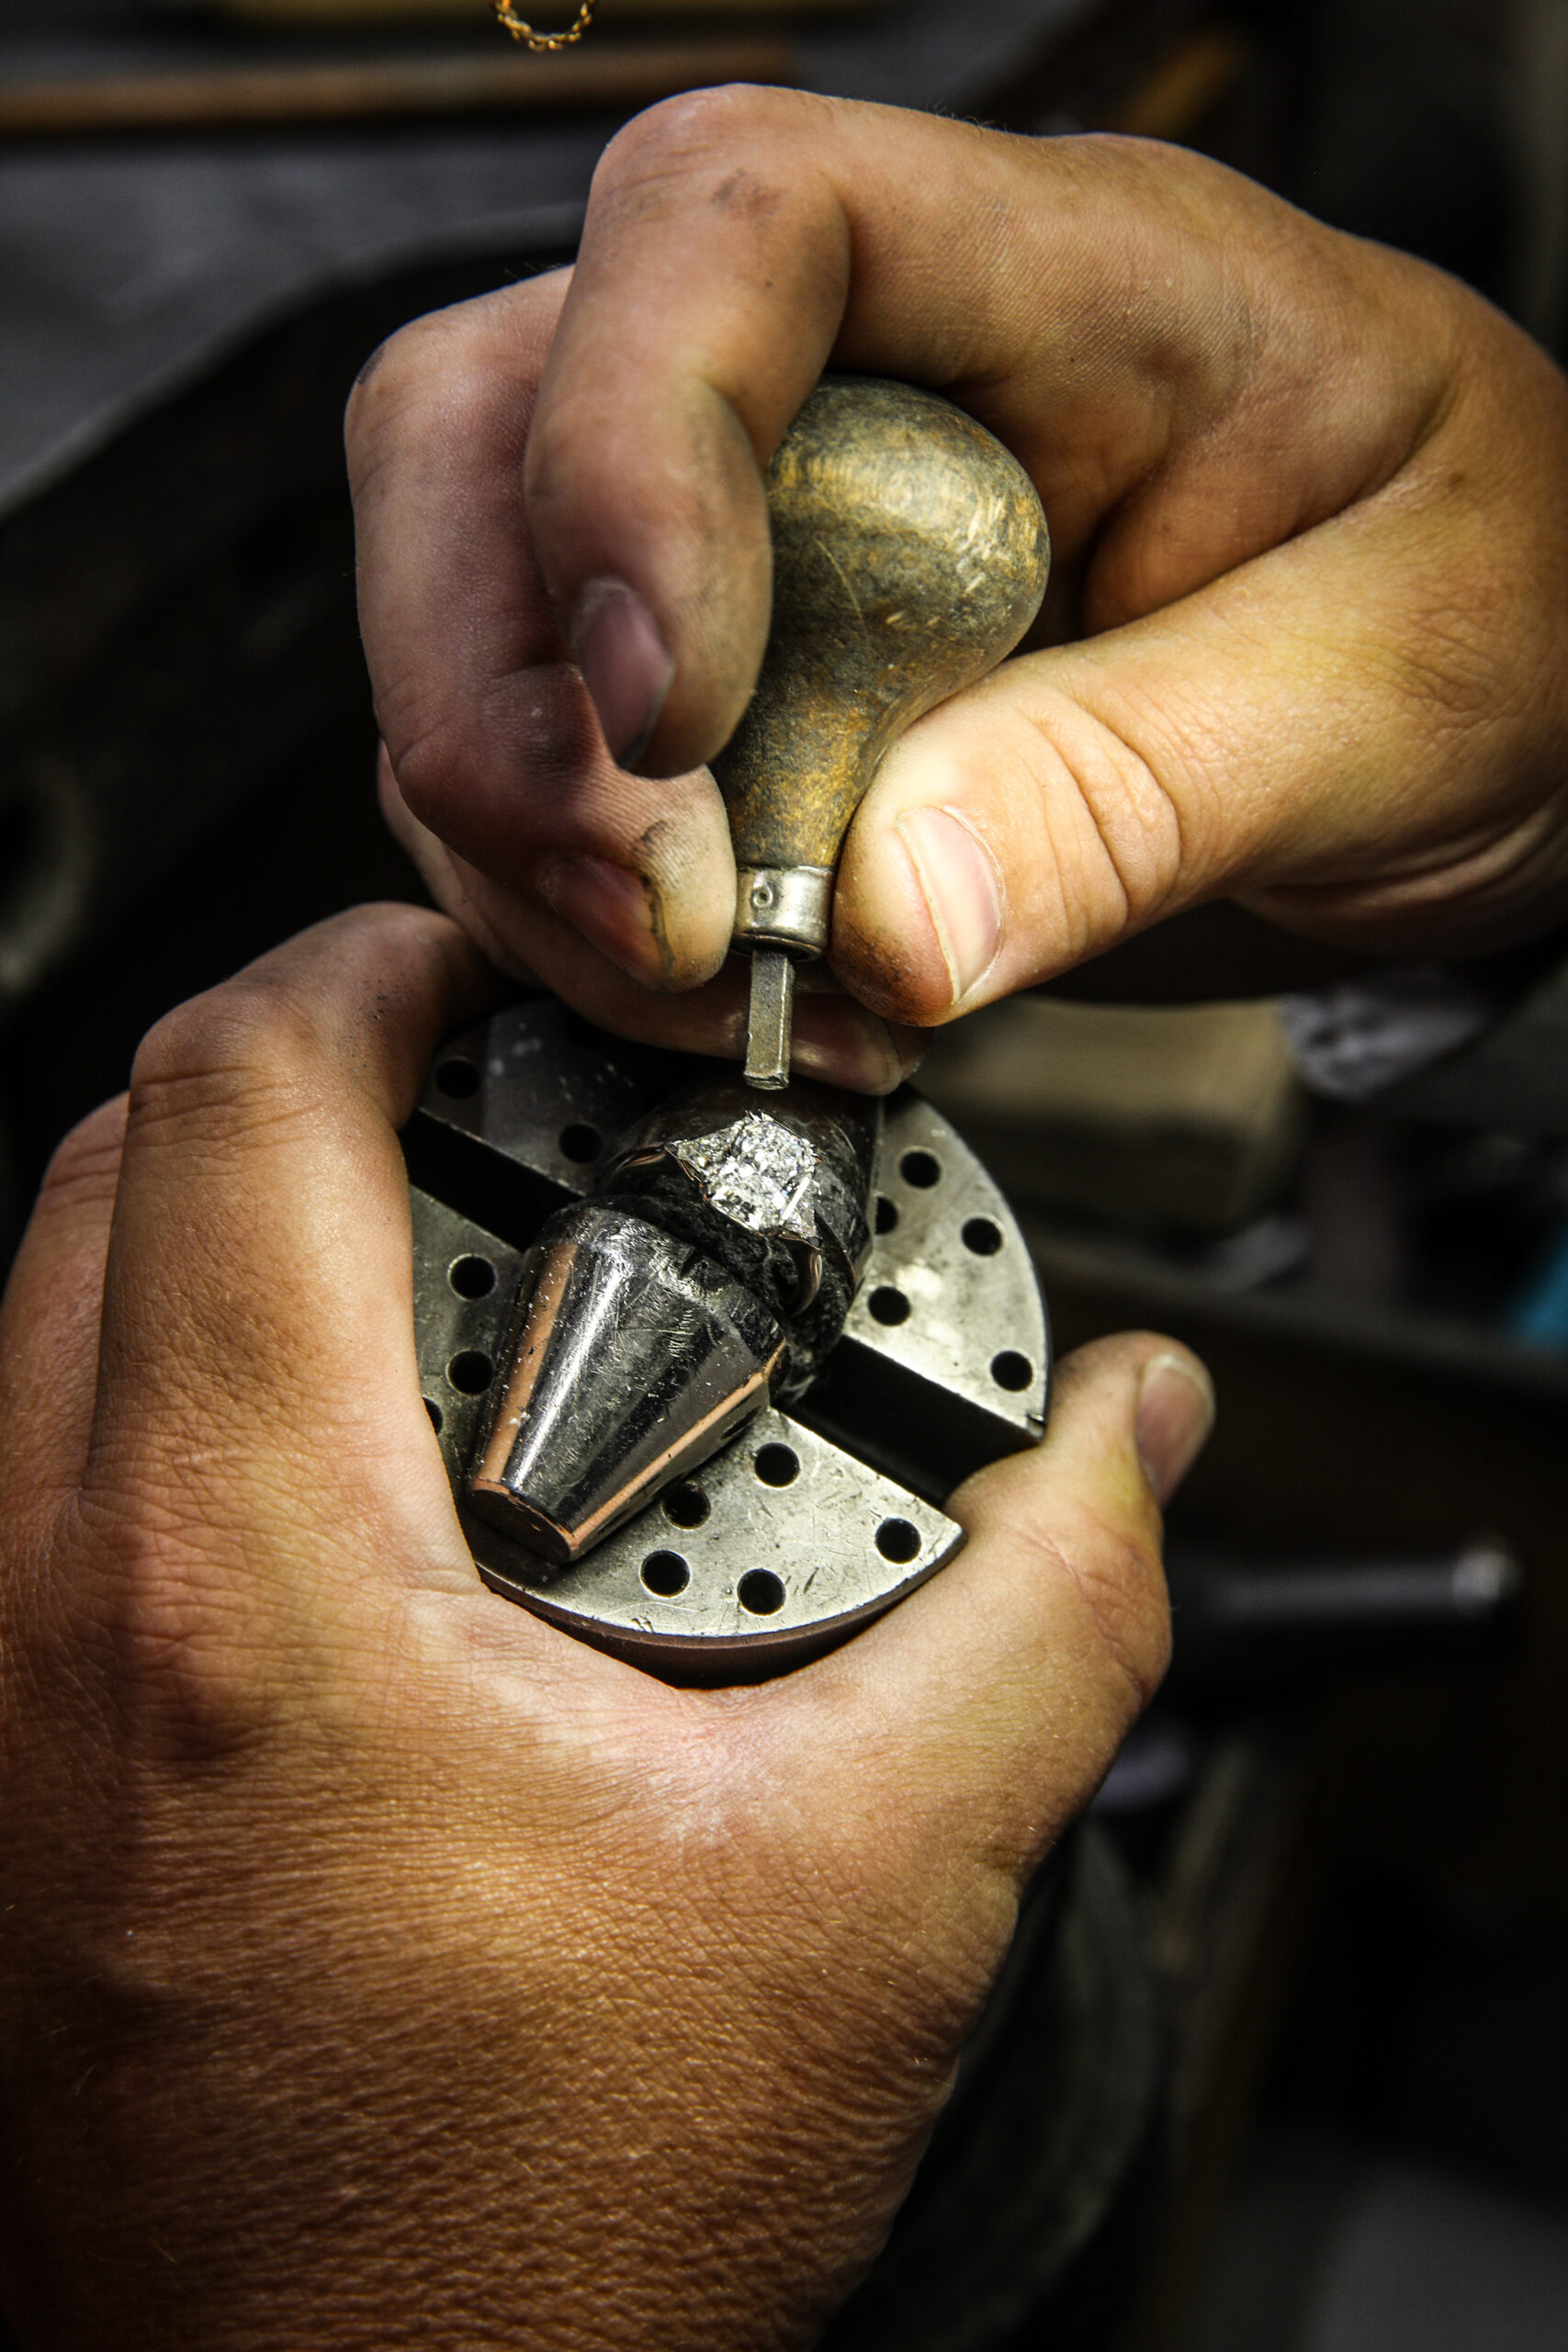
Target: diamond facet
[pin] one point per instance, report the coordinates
(755, 1173)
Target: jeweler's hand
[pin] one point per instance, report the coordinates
(381, 1966)
(1309, 501)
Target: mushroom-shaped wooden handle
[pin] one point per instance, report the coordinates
(910, 554)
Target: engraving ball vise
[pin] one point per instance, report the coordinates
(705, 1362)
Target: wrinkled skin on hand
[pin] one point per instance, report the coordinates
(1305, 647)
(381, 1965)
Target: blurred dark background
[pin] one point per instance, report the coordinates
(1347, 1873)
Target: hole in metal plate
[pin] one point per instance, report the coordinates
(456, 1078)
(686, 1505)
(888, 1305)
(579, 1143)
(1010, 1370)
(666, 1573)
(471, 1277)
(776, 1465)
(760, 1592)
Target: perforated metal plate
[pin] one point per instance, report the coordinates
(778, 1562)
(808, 1524)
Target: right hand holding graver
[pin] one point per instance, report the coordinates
(1309, 501)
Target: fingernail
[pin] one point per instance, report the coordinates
(962, 891)
(610, 906)
(1176, 1412)
(625, 664)
(838, 1040)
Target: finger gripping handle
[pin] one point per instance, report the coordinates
(910, 554)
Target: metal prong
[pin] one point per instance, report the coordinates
(767, 1019)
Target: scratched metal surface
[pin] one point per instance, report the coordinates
(789, 1537)
(972, 1310)
(816, 1534)
(529, 1083)
(813, 1542)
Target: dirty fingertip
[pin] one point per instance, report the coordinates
(839, 1041)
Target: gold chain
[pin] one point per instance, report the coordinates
(546, 42)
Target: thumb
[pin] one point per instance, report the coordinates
(1011, 1678)
(1333, 732)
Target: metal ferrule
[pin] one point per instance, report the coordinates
(783, 906)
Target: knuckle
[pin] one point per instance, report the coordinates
(400, 374)
(453, 379)
(84, 1164)
(1103, 832)
(1136, 813)
(1451, 671)
(1141, 810)
(532, 739)
(180, 1647)
(440, 750)
(1121, 1580)
(243, 1055)
(692, 133)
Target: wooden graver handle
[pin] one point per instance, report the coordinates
(910, 554)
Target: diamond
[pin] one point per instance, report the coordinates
(755, 1173)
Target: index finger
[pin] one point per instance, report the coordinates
(257, 1391)
(489, 728)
